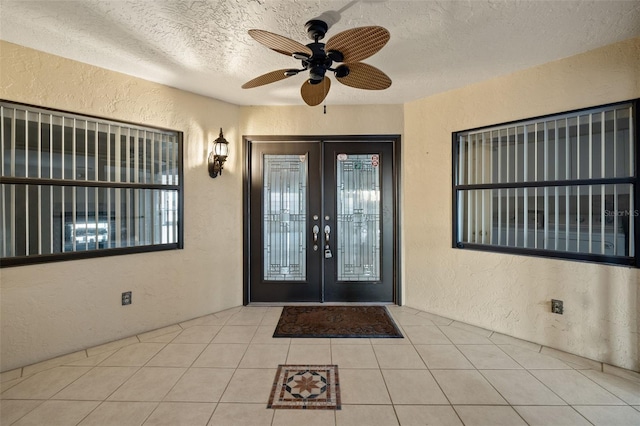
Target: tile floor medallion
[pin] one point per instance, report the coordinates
(310, 387)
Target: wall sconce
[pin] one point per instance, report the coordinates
(218, 156)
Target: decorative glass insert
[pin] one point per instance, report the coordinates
(72, 183)
(358, 217)
(564, 184)
(285, 217)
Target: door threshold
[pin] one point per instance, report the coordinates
(275, 304)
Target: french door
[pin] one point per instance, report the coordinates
(321, 221)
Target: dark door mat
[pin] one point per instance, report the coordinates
(336, 322)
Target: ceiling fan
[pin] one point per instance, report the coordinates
(349, 48)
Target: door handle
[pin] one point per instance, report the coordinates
(327, 249)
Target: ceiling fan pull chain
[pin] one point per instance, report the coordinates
(325, 108)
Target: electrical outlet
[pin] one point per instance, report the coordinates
(557, 306)
(126, 298)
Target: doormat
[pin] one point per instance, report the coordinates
(306, 387)
(336, 322)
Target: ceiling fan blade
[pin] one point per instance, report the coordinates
(279, 43)
(358, 43)
(314, 94)
(270, 77)
(365, 76)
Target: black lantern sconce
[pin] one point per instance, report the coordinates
(218, 156)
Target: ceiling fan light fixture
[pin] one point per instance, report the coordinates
(300, 56)
(342, 71)
(335, 55)
(290, 73)
(316, 74)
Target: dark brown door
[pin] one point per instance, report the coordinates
(321, 222)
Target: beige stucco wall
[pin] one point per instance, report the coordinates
(511, 294)
(57, 308)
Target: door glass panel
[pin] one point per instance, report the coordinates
(358, 217)
(285, 208)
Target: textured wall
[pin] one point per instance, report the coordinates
(53, 309)
(511, 294)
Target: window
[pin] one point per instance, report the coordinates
(564, 186)
(75, 186)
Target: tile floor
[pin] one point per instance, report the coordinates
(218, 370)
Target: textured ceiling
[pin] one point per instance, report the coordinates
(203, 46)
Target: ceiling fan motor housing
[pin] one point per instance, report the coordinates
(316, 29)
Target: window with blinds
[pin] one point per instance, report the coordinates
(75, 186)
(564, 186)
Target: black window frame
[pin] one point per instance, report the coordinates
(630, 261)
(96, 252)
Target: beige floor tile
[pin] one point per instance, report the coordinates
(264, 334)
(404, 318)
(533, 360)
(610, 416)
(502, 339)
(413, 387)
(119, 414)
(519, 387)
(45, 384)
(58, 413)
(489, 416)
(264, 356)
(134, 355)
(575, 361)
(198, 334)
(443, 357)
(92, 361)
(436, 319)
(575, 388)
(425, 335)
(151, 335)
(30, 370)
(181, 413)
(241, 415)
(177, 355)
(472, 328)
(463, 337)
(200, 385)
(116, 344)
(359, 386)
(392, 340)
(221, 355)
(165, 338)
(370, 415)
(398, 356)
(235, 334)
(304, 417)
(11, 383)
(309, 354)
(310, 341)
(97, 384)
(6, 376)
(148, 384)
(350, 341)
(488, 357)
(546, 416)
(353, 356)
(206, 320)
(420, 415)
(250, 385)
(467, 387)
(247, 317)
(227, 313)
(626, 390)
(272, 316)
(13, 409)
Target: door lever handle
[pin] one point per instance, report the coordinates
(315, 230)
(327, 231)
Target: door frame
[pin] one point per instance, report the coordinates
(394, 139)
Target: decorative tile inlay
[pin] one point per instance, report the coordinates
(306, 387)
